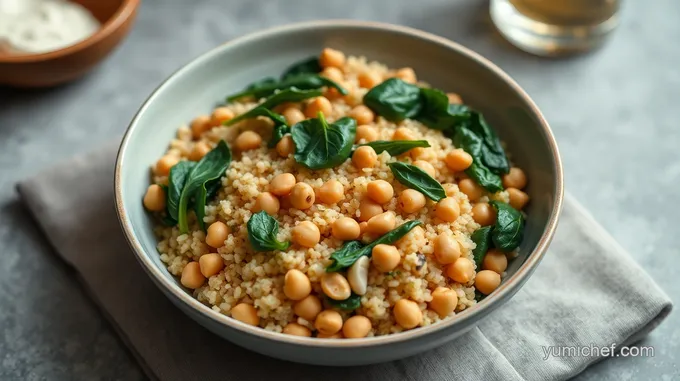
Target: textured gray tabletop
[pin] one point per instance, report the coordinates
(615, 114)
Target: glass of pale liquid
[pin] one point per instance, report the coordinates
(555, 27)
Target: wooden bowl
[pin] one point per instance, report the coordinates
(63, 65)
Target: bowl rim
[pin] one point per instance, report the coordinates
(500, 295)
(123, 13)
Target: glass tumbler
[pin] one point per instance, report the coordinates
(555, 27)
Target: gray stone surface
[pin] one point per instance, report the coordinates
(615, 114)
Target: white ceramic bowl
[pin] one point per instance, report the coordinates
(197, 87)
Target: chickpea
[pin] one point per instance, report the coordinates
(166, 163)
(518, 199)
(335, 286)
(385, 258)
(382, 223)
(316, 105)
(368, 209)
(495, 260)
(200, 149)
(407, 75)
(471, 189)
(308, 307)
(296, 285)
(337, 335)
(333, 73)
(483, 214)
(426, 167)
(293, 115)
(407, 313)
(356, 327)
(345, 229)
(403, 133)
(461, 271)
(191, 276)
(366, 133)
(217, 234)
(515, 179)
(458, 160)
(199, 125)
(221, 115)
(210, 264)
(369, 79)
(296, 329)
(380, 191)
(328, 322)
(364, 157)
(331, 192)
(411, 201)
(286, 146)
(363, 227)
(154, 198)
(444, 301)
(447, 209)
(362, 114)
(245, 313)
(282, 184)
(247, 140)
(446, 249)
(487, 281)
(306, 234)
(302, 196)
(267, 202)
(332, 57)
(420, 153)
(454, 99)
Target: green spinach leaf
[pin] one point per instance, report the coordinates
(212, 166)
(395, 100)
(484, 177)
(319, 145)
(438, 114)
(303, 81)
(509, 228)
(349, 304)
(262, 231)
(482, 238)
(493, 154)
(178, 177)
(353, 250)
(309, 65)
(258, 111)
(415, 178)
(395, 147)
(278, 133)
(289, 95)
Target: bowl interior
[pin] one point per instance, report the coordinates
(204, 83)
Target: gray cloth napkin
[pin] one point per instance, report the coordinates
(586, 292)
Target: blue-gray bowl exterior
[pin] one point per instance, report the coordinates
(198, 87)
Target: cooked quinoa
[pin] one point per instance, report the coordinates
(254, 280)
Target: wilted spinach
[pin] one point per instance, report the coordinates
(258, 111)
(278, 133)
(309, 65)
(395, 100)
(262, 231)
(438, 114)
(192, 182)
(351, 251)
(415, 178)
(395, 147)
(482, 238)
(509, 227)
(349, 304)
(478, 172)
(303, 81)
(492, 152)
(289, 95)
(320, 145)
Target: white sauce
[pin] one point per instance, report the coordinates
(39, 26)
